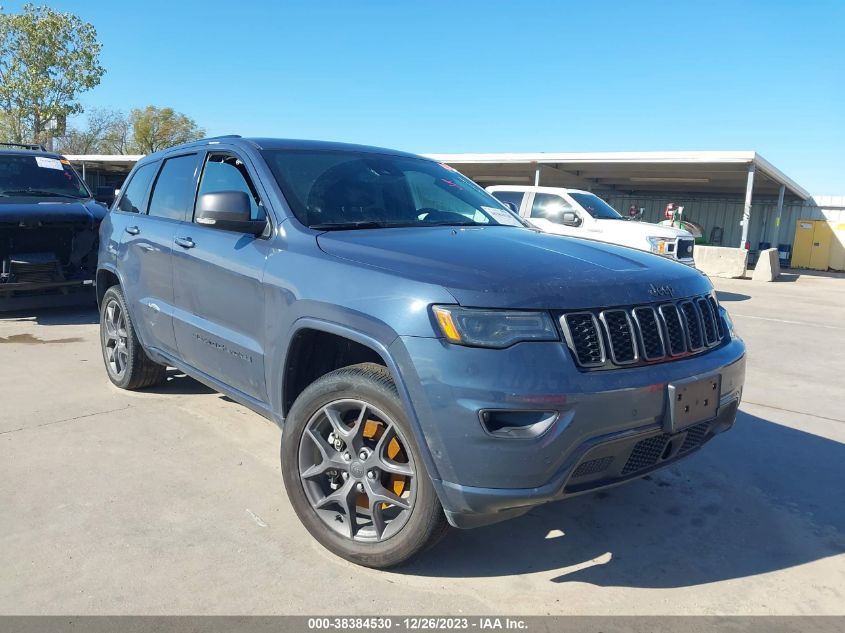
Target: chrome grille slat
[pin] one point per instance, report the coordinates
(584, 338)
(620, 336)
(650, 333)
(692, 323)
(708, 321)
(674, 324)
(719, 328)
(640, 334)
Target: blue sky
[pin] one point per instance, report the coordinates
(431, 76)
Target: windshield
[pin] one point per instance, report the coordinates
(44, 176)
(595, 206)
(349, 189)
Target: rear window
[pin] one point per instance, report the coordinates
(28, 175)
(135, 193)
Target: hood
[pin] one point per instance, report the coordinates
(28, 212)
(647, 229)
(507, 267)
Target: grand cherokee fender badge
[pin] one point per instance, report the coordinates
(661, 291)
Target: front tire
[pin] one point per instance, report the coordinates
(353, 471)
(127, 364)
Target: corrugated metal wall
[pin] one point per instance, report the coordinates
(726, 213)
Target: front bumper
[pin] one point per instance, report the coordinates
(609, 427)
(33, 295)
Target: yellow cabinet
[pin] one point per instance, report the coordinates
(811, 247)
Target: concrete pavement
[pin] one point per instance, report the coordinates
(170, 501)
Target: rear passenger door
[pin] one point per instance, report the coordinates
(217, 280)
(147, 248)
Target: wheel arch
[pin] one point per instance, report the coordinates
(107, 276)
(305, 326)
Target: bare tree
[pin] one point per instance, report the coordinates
(97, 136)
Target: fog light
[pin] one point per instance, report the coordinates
(517, 424)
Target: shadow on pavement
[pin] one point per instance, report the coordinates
(759, 498)
(55, 316)
(723, 295)
(177, 383)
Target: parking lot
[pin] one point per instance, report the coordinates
(170, 500)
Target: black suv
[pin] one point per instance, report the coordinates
(49, 223)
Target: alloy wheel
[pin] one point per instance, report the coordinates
(117, 353)
(356, 471)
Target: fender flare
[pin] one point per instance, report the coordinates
(111, 269)
(381, 349)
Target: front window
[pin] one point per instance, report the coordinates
(28, 175)
(548, 206)
(347, 189)
(595, 206)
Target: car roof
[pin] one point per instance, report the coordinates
(262, 143)
(29, 152)
(537, 189)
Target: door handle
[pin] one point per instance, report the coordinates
(132, 230)
(185, 242)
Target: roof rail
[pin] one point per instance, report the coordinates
(32, 146)
(217, 138)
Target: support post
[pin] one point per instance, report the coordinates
(776, 229)
(746, 211)
(83, 174)
(537, 176)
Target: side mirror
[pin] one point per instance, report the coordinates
(570, 218)
(105, 195)
(228, 211)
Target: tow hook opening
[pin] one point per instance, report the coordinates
(516, 424)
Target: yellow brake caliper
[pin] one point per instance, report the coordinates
(373, 430)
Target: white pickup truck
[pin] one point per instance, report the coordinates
(584, 214)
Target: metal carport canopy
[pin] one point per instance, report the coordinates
(712, 172)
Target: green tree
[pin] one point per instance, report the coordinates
(154, 129)
(47, 58)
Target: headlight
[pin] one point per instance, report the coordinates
(493, 328)
(662, 245)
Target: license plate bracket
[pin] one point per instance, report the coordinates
(692, 401)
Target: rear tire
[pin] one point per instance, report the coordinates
(359, 522)
(127, 364)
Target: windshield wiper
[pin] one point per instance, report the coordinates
(351, 226)
(39, 192)
(457, 223)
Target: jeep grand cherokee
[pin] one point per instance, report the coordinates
(430, 359)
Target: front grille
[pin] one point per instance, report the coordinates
(708, 320)
(34, 268)
(695, 437)
(651, 340)
(620, 335)
(592, 466)
(604, 339)
(585, 338)
(692, 322)
(650, 451)
(674, 328)
(646, 453)
(685, 248)
(720, 331)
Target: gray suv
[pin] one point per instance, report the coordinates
(430, 359)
